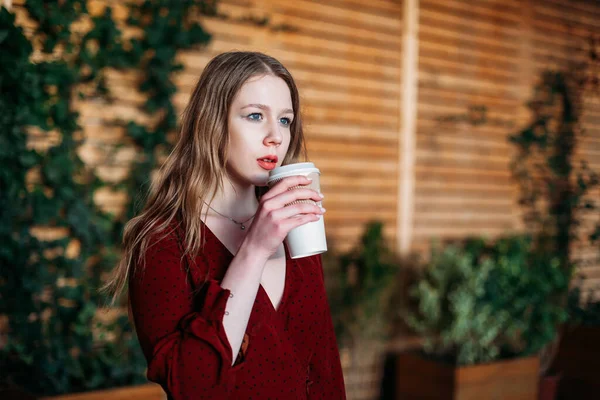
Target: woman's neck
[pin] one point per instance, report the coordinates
(235, 201)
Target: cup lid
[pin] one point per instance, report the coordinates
(292, 169)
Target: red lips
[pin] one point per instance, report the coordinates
(267, 162)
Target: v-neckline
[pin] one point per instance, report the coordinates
(286, 284)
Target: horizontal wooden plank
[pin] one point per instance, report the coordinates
(473, 148)
(355, 167)
(473, 66)
(471, 202)
(491, 29)
(568, 17)
(351, 149)
(299, 41)
(589, 8)
(443, 95)
(464, 219)
(471, 37)
(497, 129)
(497, 13)
(308, 44)
(330, 31)
(450, 110)
(439, 136)
(375, 105)
(376, 7)
(335, 13)
(112, 173)
(293, 60)
(332, 216)
(473, 160)
(428, 205)
(364, 119)
(541, 38)
(374, 184)
(447, 49)
(449, 113)
(350, 132)
(459, 233)
(467, 84)
(433, 174)
(443, 189)
(470, 172)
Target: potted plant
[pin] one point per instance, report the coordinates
(576, 359)
(360, 308)
(485, 310)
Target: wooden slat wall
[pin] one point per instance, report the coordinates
(346, 56)
(489, 53)
(468, 57)
(561, 29)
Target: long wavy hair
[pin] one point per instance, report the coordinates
(195, 169)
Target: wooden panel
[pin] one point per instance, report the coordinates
(346, 56)
(347, 62)
(561, 30)
(469, 58)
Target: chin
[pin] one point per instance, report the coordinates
(260, 181)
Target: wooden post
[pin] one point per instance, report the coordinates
(526, 82)
(408, 118)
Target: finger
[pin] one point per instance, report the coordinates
(285, 184)
(297, 209)
(294, 195)
(294, 222)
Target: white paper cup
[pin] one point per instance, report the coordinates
(308, 239)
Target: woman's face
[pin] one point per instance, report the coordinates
(259, 129)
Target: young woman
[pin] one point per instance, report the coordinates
(220, 309)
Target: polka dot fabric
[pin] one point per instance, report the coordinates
(290, 353)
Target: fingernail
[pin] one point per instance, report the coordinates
(322, 209)
(321, 195)
(310, 179)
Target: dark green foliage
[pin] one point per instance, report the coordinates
(583, 310)
(477, 301)
(554, 190)
(169, 26)
(368, 277)
(57, 341)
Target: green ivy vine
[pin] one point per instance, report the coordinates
(55, 341)
(554, 189)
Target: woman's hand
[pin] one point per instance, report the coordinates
(274, 220)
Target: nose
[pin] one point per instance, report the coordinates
(274, 136)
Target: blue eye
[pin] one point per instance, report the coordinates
(285, 121)
(255, 116)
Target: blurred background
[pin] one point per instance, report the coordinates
(459, 145)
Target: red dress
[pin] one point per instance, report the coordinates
(288, 353)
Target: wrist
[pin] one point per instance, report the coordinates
(252, 258)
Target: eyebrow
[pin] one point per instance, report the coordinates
(265, 107)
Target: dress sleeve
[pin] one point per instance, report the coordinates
(326, 380)
(181, 332)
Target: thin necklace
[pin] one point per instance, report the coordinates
(241, 224)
